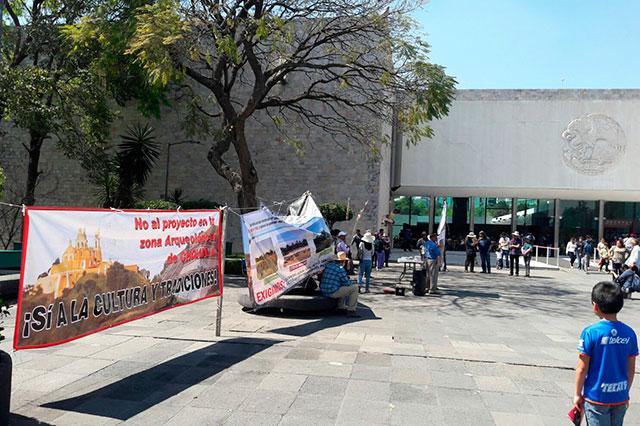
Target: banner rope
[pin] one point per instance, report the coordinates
(23, 207)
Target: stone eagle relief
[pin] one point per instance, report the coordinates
(593, 144)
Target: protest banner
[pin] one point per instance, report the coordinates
(281, 252)
(85, 270)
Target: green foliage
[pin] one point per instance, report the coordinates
(335, 212)
(156, 205)
(158, 27)
(200, 204)
(121, 177)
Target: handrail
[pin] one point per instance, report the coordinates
(548, 249)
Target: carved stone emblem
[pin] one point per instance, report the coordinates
(593, 143)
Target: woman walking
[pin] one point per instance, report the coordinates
(618, 254)
(470, 244)
(386, 245)
(571, 251)
(603, 251)
(514, 253)
(365, 249)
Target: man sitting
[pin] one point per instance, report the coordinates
(336, 284)
(629, 281)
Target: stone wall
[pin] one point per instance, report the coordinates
(332, 172)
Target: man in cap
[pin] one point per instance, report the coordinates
(336, 284)
(342, 245)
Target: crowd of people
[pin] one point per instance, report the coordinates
(612, 256)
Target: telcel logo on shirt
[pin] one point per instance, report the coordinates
(614, 339)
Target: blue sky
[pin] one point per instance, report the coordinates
(536, 43)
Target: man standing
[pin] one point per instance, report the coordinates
(432, 258)
(504, 244)
(484, 245)
(336, 284)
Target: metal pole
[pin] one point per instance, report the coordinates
(166, 174)
(600, 220)
(547, 255)
(514, 214)
(536, 253)
(222, 247)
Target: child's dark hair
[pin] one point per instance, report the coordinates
(608, 297)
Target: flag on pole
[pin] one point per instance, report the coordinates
(442, 227)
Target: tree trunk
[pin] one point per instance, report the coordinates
(247, 196)
(35, 146)
(244, 179)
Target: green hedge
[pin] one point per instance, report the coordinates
(156, 205)
(233, 266)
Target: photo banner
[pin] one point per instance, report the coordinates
(85, 270)
(281, 252)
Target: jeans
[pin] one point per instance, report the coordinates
(586, 262)
(604, 415)
(470, 262)
(365, 268)
(527, 265)
(505, 258)
(572, 258)
(485, 262)
(514, 260)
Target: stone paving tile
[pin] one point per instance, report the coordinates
(85, 366)
(283, 382)
(49, 381)
(273, 402)
(318, 385)
(415, 394)
(456, 398)
(495, 383)
(309, 419)
(517, 419)
(196, 416)
(344, 357)
(453, 380)
(242, 418)
(508, 402)
(369, 372)
(324, 406)
(411, 375)
(305, 354)
(222, 397)
(357, 411)
(406, 413)
(378, 360)
(368, 390)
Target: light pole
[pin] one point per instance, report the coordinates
(166, 175)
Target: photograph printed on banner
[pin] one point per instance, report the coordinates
(85, 271)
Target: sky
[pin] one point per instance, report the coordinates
(535, 44)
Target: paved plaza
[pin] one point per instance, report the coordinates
(492, 349)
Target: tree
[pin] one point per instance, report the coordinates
(335, 212)
(121, 177)
(45, 89)
(348, 62)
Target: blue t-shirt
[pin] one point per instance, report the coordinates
(609, 344)
(484, 244)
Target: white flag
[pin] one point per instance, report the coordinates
(442, 227)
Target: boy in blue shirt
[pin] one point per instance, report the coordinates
(607, 361)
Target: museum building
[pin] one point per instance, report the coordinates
(557, 163)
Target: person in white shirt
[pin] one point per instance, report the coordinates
(634, 257)
(571, 251)
(504, 243)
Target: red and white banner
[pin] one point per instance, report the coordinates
(85, 270)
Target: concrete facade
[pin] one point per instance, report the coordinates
(529, 144)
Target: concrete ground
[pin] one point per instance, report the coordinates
(492, 349)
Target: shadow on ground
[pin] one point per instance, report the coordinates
(143, 390)
(18, 420)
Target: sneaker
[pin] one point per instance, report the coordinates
(435, 291)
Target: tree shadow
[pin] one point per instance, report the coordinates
(18, 420)
(141, 391)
